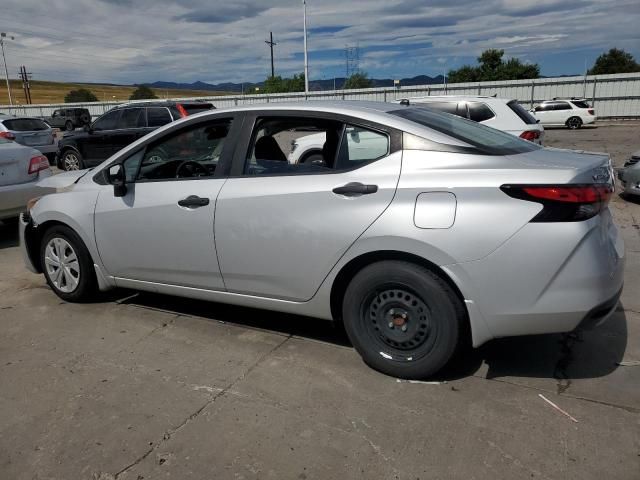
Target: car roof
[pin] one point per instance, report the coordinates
(163, 103)
(481, 98)
(377, 112)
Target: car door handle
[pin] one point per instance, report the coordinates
(193, 201)
(354, 189)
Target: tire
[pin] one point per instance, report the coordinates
(312, 158)
(85, 119)
(71, 160)
(574, 123)
(68, 125)
(386, 297)
(72, 280)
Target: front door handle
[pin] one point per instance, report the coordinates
(193, 201)
(354, 189)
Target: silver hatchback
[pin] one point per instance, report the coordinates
(441, 230)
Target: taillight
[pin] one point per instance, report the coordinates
(183, 112)
(38, 163)
(530, 135)
(564, 203)
(591, 111)
(7, 135)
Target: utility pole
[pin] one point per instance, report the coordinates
(271, 44)
(306, 61)
(26, 76)
(3, 35)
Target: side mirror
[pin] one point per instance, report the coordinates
(87, 128)
(355, 135)
(117, 178)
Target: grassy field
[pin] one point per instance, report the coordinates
(54, 92)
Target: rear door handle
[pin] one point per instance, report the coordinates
(354, 189)
(193, 201)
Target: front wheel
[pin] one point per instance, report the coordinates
(403, 319)
(574, 123)
(71, 160)
(67, 266)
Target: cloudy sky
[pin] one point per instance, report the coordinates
(135, 41)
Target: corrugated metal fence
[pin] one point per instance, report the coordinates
(613, 96)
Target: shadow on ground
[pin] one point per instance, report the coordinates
(575, 355)
(8, 234)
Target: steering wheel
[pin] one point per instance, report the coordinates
(193, 168)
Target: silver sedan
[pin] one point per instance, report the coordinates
(21, 168)
(440, 231)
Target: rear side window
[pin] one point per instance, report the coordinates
(360, 145)
(479, 112)
(25, 125)
(132, 118)
(562, 106)
(580, 104)
(158, 116)
(521, 112)
(485, 139)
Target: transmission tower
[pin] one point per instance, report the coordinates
(352, 59)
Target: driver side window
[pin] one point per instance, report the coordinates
(193, 152)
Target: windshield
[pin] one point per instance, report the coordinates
(485, 139)
(25, 125)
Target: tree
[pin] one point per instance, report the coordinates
(615, 61)
(143, 92)
(358, 80)
(80, 95)
(493, 67)
(278, 84)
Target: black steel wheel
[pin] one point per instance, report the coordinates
(403, 319)
(574, 123)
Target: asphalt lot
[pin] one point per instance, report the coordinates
(143, 386)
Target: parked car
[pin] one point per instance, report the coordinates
(21, 168)
(31, 132)
(445, 230)
(118, 128)
(629, 175)
(69, 118)
(501, 113)
(572, 113)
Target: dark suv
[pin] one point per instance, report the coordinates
(69, 118)
(118, 128)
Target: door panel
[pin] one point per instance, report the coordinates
(280, 236)
(146, 235)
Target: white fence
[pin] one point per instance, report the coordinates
(613, 96)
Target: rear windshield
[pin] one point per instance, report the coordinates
(25, 124)
(519, 110)
(485, 139)
(193, 108)
(580, 104)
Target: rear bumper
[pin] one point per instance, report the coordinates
(14, 198)
(548, 278)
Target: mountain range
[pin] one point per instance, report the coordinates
(314, 85)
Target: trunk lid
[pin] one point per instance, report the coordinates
(14, 164)
(589, 167)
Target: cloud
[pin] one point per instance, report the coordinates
(127, 41)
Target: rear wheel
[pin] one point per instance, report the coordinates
(68, 125)
(71, 160)
(402, 318)
(574, 123)
(67, 266)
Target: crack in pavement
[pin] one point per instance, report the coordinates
(626, 408)
(566, 358)
(169, 433)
